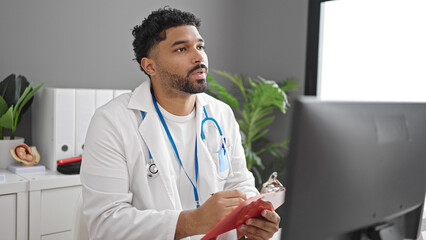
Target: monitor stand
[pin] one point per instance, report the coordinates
(386, 231)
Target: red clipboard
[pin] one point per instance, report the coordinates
(244, 211)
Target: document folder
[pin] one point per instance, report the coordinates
(118, 92)
(84, 110)
(53, 125)
(60, 119)
(243, 212)
(102, 96)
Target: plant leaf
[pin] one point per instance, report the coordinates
(3, 106)
(276, 149)
(262, 123)
(261, 97)
(288, 84)
(4, 84)
(22, 97)
(252, 158)
(259, 135)
(220, 93)
(25, 98)
(6, 120)
(237, 80)
(14, 88)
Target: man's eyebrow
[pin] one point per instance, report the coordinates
(185, 41)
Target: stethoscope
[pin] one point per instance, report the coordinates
(151, 167)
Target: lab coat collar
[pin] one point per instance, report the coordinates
(141, 98)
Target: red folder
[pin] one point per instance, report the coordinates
(244, 211)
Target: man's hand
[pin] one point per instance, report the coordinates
(217, 207)
(202, 219)
(260, 228)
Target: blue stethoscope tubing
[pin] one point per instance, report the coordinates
(203, 137)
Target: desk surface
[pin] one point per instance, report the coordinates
(51, 179)
(13, 183)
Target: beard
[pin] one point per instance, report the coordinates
(183, 83)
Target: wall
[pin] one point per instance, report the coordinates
(274, 47)
(87, 44)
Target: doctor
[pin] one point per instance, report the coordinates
(153, 157)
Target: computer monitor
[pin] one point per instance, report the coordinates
(356, 170)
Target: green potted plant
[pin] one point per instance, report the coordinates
(254, 112)
(16, 95)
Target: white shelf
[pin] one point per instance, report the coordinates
(52, 197)
(13, 183)
(38, 205)
(13, 206)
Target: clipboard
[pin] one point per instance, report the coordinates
(244, 211)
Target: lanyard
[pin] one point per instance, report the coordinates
(176, 151)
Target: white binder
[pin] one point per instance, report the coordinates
(84, 110)
(103, 96)
(53, 126)
(118, 92)
(60, 119)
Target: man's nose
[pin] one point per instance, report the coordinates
(197, 56)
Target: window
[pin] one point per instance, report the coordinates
(371, 50)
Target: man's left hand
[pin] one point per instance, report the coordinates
(260, 228)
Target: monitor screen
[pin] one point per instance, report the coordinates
(355, 170)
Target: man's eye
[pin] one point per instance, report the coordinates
(201, 47)
(180, 49)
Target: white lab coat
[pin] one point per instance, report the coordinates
(119, 200)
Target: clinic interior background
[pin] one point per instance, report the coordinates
(87, 44)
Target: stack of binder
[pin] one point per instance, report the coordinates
(60, 118)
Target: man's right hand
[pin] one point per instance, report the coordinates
(202, 219)
(217, 207)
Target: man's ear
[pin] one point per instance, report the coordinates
(149, 66)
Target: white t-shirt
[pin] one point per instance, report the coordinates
(182, 129)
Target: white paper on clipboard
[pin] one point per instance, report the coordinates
(276, 198)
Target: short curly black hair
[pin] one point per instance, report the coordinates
(152, 29)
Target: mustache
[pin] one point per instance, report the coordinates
(196, 68)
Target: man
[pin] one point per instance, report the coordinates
(166, 161)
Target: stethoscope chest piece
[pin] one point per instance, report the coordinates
(151, 169)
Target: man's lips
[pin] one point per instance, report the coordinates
(200, 73)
